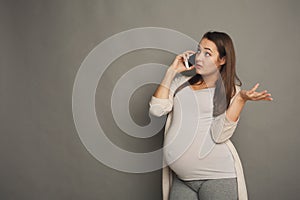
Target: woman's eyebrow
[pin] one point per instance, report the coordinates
(205, 48)
(208, 49)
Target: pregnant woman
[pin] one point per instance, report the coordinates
(203, 111)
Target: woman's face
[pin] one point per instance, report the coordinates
(207, 61)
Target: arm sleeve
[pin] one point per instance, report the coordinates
(158, 106)
(222, 128)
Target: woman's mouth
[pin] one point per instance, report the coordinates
(198, 66)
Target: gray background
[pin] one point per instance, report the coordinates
(42, 44)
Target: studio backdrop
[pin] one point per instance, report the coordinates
(77, 76)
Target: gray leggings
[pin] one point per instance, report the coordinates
(212, 189)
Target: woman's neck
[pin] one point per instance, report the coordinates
(208, 81)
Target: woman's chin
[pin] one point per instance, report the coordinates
(198, 71)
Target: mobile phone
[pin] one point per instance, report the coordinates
(190, 62)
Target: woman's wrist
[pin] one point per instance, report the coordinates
(171, 72)
(240, 98)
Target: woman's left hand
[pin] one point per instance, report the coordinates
(255, 96)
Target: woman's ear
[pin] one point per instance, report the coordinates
(223, 60)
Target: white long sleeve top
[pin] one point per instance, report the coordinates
(221, 130)
(189, 148)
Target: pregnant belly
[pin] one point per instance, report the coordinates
(218, 162)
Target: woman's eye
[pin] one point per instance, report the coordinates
(207, 54)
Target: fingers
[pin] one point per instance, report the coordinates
(181, 58)
(256, 96)
(190, 68)
(191, 52)
(262, 93)
(262, 96)
(188, 53)
(185, 56)
(254, 88)
(267, 97)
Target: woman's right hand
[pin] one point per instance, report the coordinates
(163, 90)
(178, 63)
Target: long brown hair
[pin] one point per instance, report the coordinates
(225, 85)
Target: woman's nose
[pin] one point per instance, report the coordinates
(199, 57)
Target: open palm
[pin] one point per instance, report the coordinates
(254, 95)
